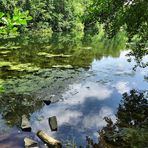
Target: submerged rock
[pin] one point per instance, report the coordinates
(50, 99)
(29, 143)
(53, 123)
(25, 124)
(47, 102)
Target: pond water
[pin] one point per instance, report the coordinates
(84, 77)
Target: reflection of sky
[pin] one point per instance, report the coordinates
(88, 102)
(82, 110)
(122, 87)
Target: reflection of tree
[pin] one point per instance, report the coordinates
(131, 128)
(138, 52)
(13, 106)
(83, 49)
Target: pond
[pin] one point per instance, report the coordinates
(83, 76)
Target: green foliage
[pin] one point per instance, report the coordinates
(11, 24)
(117, 14)
(138, 52)
(60, 15)
(75, 15)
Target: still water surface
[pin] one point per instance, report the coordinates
(83, 93)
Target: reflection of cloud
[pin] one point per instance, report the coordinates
(79, 113)
(81, 92)
(96, 121)
(69, 116)
(144, 72)
(122, 87)
(63, 115)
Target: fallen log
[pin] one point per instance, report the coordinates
(51, 142)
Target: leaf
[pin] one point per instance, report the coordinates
(23, 22)
(1, 14)
(5, 21)
(29, 18)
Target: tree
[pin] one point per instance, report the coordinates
(119, 14)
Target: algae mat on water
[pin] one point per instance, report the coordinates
(44, 83)
(19, 67)
(29, 91)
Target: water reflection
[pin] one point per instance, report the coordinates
(83, 51)
(122, 87)
(87, 102)
(130, 129)
(89, 91)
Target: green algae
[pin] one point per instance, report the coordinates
(24, 67)
(48, 55)
(63, 66)
(5, 52)
(44, 82)
(10, 47)
(5, 63)
(19, 67)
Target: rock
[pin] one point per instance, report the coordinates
(51, 142)
(25, 124)
(53, 123)
(47, 102)
(29, 143)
